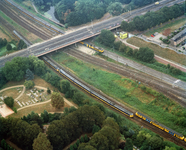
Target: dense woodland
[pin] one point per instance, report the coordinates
(76, 12)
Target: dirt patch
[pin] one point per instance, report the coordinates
(40, 82)
(166, 32)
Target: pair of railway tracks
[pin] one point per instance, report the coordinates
(174, 93)
(134, 119)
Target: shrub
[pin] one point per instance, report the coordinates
(9, 101)
(48, 91)
(29, 84)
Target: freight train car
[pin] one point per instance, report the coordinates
(98, 49)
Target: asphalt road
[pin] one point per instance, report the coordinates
(78, 35)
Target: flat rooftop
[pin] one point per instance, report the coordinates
(179, 35)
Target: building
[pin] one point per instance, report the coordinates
(178, 38)
(123, 35)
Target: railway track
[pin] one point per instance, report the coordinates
(6, 9)
(178, 95)
(135, 119)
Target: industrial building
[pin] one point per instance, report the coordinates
(178, 38)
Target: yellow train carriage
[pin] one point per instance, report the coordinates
(92, 47)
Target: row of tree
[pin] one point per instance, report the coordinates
(151, 19)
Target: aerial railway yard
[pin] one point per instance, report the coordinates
(25, 21)
(175, 93)
(135, 119)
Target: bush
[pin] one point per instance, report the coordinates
(48, 91)
(15, 110)
(9, 101)
(145, 54)
(9, 47)
(29, 84)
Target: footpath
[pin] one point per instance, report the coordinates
(6, 111)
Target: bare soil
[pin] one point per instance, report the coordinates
(166, 32)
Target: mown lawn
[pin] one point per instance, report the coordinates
(122, 89)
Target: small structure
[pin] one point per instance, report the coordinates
(123, 35)
(178, 38)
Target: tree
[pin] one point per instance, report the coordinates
(128, 144)
(23, 133)
(129, 51)
(78, 98)
(86, 138)
(86, 146)
(123, 48)
(9, 47)
(112, 135)
(117, 45)
(29, 84)
(57, 100)
(95, 129)
(99, 141)
(29, 75)
(42, 143)
(45, 116)
(15, 110)
(21, 45)
(9, 101)
(145, 54)
(64, 86)
(48, 91)
(156, 142)
(115, 8)
(106, 37)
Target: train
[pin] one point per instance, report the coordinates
(42, 22)
(110, 103)
(98, 49)
(160, 126)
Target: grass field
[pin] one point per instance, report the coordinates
(173, 25)
(162, 52)
(122, 89)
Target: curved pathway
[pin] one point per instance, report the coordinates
(40, 87)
